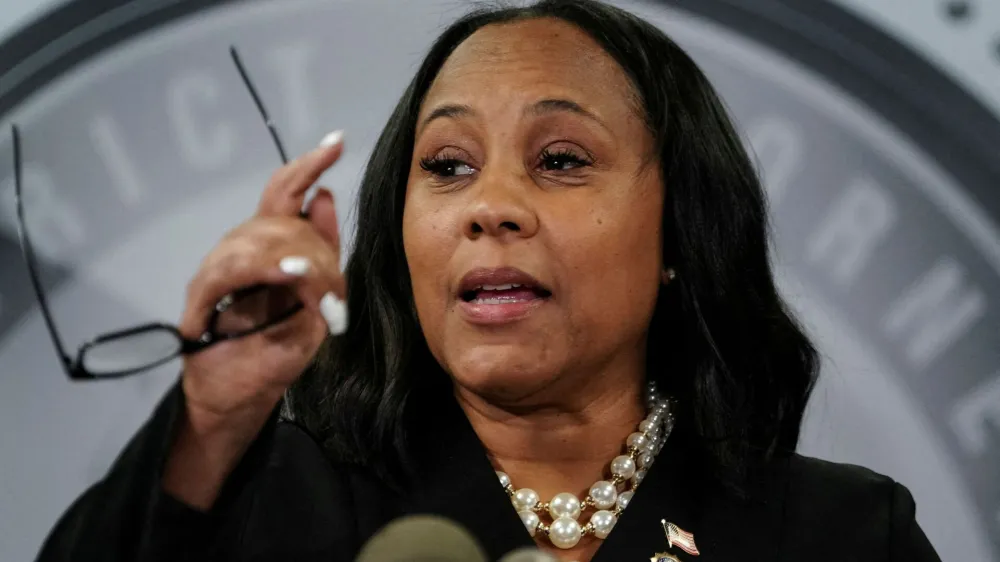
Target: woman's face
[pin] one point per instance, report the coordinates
(531, 168)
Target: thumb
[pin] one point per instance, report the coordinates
(323, 216)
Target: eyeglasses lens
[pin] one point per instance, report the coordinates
(130, 352)
(253, 309)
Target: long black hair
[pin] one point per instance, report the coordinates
(721, 340)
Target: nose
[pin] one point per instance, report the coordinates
(501, 209)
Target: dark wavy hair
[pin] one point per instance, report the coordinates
(721, 341)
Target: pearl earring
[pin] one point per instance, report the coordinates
(669, 275)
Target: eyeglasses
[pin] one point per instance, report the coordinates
(140, 348)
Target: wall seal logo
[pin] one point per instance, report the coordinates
(884, 196)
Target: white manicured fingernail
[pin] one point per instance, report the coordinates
(294, 265)
(334, 311)
(332, 139)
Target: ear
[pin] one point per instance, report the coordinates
(668, 275)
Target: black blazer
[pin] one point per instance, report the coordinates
(288, 502)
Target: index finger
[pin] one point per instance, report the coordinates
(285, 193)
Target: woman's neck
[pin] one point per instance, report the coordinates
(563, 443)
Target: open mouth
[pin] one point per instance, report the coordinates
(500, 286)
(506, 293)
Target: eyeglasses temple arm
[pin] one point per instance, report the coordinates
(261, 109)
(28, 254)
(260, 104)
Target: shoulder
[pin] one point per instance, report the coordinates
(821, 489)
(294, 449)
(306, 503)
(292, 468)
(818, 477)
(297, 455)
(849, 508)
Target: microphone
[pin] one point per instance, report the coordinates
(528, 555)
(422, 538)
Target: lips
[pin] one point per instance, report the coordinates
(499, 286)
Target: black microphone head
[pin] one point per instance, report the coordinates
(422, 538)
(528, 554)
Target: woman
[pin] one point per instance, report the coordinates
(558, 216)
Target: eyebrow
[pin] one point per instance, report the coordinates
(450, 111)
(558, 105)
(455, 111)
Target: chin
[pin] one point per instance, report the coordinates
(505, 377)
(503, 389)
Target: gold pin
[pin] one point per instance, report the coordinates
(664, 557)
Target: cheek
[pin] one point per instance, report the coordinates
(617, 264)
(428, 246)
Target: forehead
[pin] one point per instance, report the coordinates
(532, 58)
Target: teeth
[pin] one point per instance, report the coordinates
(506, 287)
(496, 300)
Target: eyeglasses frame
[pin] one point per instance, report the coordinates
(74, 367)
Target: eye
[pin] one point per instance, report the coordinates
(446, 167)
(561, 160)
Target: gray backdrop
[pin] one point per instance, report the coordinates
(140, 158)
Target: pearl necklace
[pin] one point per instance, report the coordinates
(608, 497)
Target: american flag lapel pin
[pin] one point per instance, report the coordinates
(680, 538)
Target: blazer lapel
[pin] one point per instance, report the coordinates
(747, 529)
(725, 528)
(457, 481)
(671, 492)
